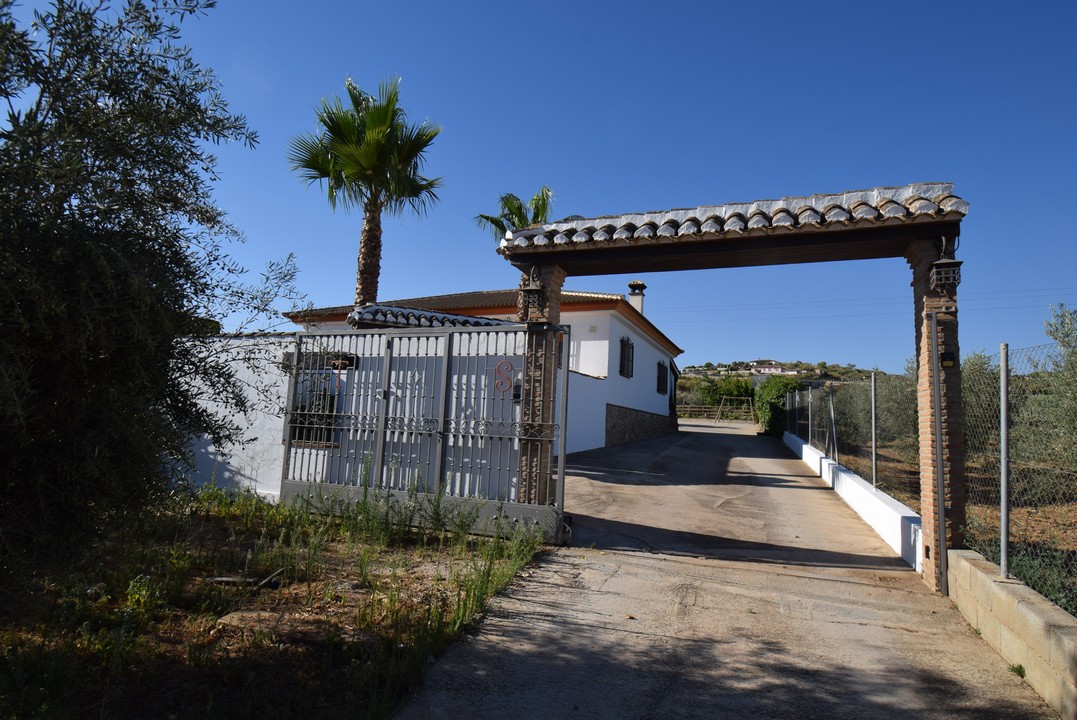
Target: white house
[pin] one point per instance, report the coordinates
(622, 374)
(621, 380)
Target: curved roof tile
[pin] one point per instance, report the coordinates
(836, 214)
(734, 223)
(758, 219)
(644, 231)
(400, 316)
(668, 229)
(892, 209)
(908, 203)
(689, 227)
(863, 211)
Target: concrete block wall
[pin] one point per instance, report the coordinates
(1024, 627)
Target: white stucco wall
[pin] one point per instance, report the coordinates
(640, 391)
(589, 353)
(329, 328)
(586, 413)
(255, 463)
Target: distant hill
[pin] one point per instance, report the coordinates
(798, 368)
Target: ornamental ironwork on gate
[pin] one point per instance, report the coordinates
(474, 415)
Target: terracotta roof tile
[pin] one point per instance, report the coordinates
(458, 301)
(398, 316)
(875, 206)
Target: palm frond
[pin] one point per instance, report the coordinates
(515, 214)
(494, 224)
(514, 211)
(540, 206)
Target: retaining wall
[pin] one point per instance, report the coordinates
(1024, 627)
(628, 424)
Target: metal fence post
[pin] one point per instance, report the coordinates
(791, 410)
(832, 431)
(440, 479)
(874, 438)
(1004, 460)
(809, 415)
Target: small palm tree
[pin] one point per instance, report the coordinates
(515, 214)
(369, 157)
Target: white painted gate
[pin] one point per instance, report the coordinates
(423, 412)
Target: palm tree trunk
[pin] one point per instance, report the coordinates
(366, 277)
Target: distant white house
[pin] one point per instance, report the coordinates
(622, 370)
(769, 367)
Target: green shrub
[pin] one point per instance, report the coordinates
(712, 391)
(770, 402)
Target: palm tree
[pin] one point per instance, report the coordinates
(515, 214)
(370, 157)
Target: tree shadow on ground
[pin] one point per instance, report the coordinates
(683, 458)
(537, 662)
(605, 534)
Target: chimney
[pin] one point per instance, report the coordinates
(635, 295)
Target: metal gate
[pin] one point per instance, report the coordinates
(475, 415)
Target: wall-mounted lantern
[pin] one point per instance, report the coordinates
(945, 275)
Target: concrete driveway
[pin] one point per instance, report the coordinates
(710, 576)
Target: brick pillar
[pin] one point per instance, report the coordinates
(935, 278)
(539, 305)
(539, 298)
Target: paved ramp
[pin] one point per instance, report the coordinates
(711, 577)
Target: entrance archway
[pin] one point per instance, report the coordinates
(919, 222)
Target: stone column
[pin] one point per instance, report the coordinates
(935, 278)
(539, 305)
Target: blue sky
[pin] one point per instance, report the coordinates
(648, 106)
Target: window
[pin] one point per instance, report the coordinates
(663, 378)
(628, 353)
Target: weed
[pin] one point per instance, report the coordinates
(1018, 670)
(139, 636)
(143, 596)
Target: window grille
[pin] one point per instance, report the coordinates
(628, 352)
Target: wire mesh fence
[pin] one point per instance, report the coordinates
(1036, 458)
(1031, 461)
(837, 420)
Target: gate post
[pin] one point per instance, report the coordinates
(539, 305)
(936, 275)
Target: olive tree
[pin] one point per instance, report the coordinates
(114, 277)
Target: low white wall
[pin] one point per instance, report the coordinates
(586, 412)
(896, 524)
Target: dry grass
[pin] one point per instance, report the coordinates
(165, 619)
